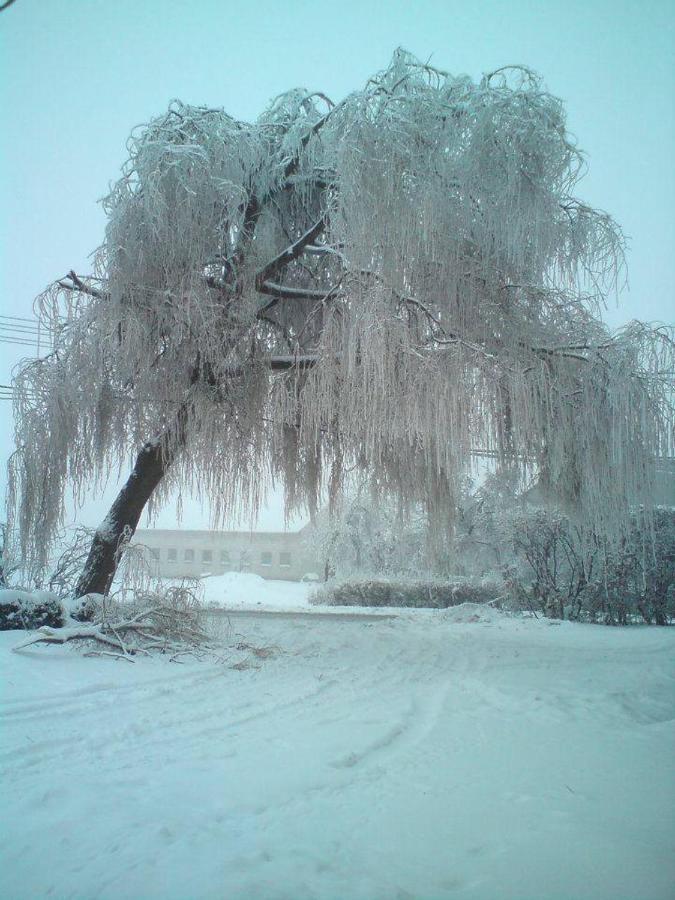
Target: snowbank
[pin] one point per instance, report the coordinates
(244, 590)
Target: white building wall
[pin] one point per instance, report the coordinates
(182, 554)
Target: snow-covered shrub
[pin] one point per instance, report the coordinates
(29, 609)
(659, 570)
(550, 573)
(85, 609)
(420, 594)
(558, 572)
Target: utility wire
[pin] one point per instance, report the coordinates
(17, 318)
(22, 329)
(27, 342)
(33, 336)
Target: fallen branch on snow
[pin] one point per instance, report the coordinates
(159, 628)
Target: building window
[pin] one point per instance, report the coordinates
(172, 554)
(189, 555)
(154, 553)
(285, 559)
(225, 557)
(265, 558)
(244, 561)
(207, 555)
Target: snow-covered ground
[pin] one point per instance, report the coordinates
(434, 754)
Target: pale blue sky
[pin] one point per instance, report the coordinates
(77, 75)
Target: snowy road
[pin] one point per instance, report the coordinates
(458, 754)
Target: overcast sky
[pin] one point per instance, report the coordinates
(77, 75)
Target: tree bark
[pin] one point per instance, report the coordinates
(116, 530)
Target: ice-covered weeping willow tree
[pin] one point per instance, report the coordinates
(395, 282)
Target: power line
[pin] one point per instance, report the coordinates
(23, 332)
(31, 320)
(21, 329)
(25, 335)
(20, 341)
(35, 337)
(17, 318)
(6, 323)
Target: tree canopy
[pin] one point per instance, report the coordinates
(393, 282)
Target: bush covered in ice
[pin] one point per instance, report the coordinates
(85, 609)
(29, 609)
(421, 594)
(557, 573)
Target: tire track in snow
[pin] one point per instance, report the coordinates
(157, 707)
(362, 770)
(82, 750)
(419, 720)
(90, 696)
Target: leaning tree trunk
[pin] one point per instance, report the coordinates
(113, 535)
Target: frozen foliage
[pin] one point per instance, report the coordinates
(63, 569)
(67, 567)
(560, 575)
(29, 609)
(394, 282)
(433, 594)
(550, 567)
(167, 620)
(367, 537)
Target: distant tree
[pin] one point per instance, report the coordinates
(395, 282)
(367, 537)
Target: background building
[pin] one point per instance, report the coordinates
(179, 553)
